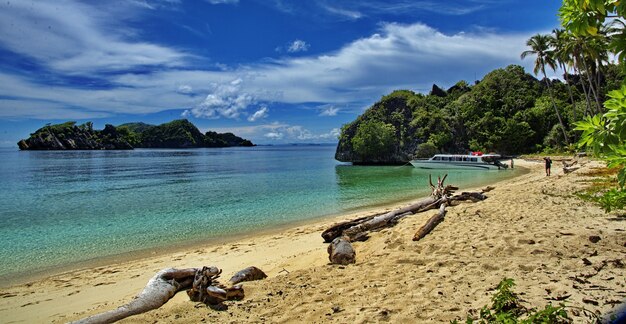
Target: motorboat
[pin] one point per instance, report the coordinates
(472, 161)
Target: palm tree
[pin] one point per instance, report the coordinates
(540, 46)
(564, 61)
(573, 48)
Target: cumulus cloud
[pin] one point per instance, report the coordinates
(225, 100)
(333, 134)
(298, 46)
(329, 111)
(259, 114)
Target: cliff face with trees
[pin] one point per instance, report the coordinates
(509, 111)
(69, 136)
(175, 134)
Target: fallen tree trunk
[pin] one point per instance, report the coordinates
(336, 230)
(385, 219)
(340, 251)
(201, 285)
(432, 222)
(163, 286)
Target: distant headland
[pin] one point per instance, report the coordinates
(175, 134)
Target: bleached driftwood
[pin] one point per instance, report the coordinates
(340, 251)
(570, 167)
(432, 222)
(163, 286)
(201, 285)
(356, 229)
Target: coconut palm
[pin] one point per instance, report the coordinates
(563, 59)
(540, 47)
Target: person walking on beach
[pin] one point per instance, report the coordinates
(548, 165)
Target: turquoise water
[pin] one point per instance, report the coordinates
(61, 207)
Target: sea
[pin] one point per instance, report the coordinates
(59, 208)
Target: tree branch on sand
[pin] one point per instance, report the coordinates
(341, 235)
(201, 285)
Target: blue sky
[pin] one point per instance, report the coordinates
(273, 71)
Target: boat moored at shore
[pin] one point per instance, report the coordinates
(461, 162)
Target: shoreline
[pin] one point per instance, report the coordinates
(11, 280)
(18, 278)
(529, 229)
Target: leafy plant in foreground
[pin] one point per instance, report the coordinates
(605, 136)
(507, 309)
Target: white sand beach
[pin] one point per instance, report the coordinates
(531, 228)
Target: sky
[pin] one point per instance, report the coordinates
(272, 71)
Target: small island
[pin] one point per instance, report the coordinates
(175, 134)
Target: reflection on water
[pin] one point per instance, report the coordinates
(366, 186)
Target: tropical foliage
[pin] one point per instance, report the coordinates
(509, 111)
(604, 133)
(176, 134)
(373, 139)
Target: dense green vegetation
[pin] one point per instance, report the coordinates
(604, 134)
(373, 139)
(175, 134)
(178, 133)
(509, 111)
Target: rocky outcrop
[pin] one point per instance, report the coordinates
(181, 134)
(175, 134)
(68, 136)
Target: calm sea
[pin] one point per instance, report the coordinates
(62, 207)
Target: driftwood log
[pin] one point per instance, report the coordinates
(432, 222)
(356, 229)
(340, 251)
(248, 274)
(570, 167)
(201, 285)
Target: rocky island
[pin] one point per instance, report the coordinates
(175, 134)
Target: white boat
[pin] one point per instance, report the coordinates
(460, 161)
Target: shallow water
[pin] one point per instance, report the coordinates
(62, 207)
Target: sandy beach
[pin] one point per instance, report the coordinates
(531, 228)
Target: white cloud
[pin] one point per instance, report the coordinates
(225, 100)
(298, 46)
(396, 57)
(185, 89)
(329, 111)
(79, 39)
(274, 135)
(350, 14)
(280, 132)
(333, 134)
(259, 114)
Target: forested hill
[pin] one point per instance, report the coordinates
(509, 112)
(175, 134)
